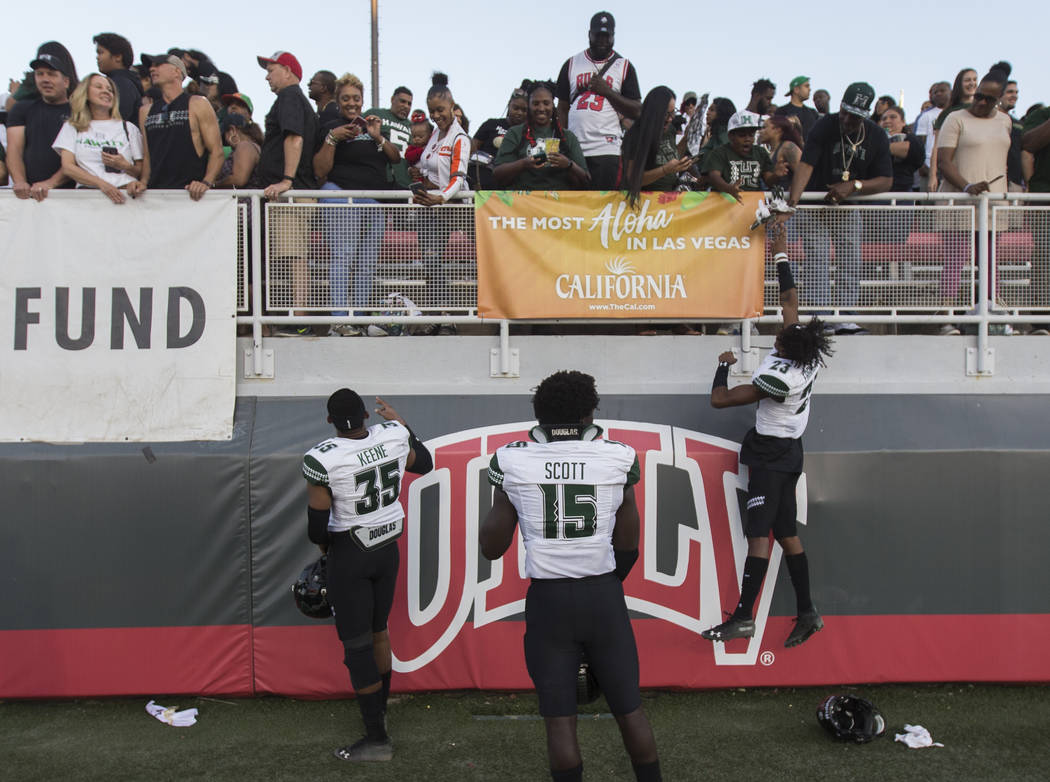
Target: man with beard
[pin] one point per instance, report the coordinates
(595, 89)
(321, 90)
(395, 126)
(845, 155)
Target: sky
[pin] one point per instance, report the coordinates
(486, 48)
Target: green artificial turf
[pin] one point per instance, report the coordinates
(990, 732)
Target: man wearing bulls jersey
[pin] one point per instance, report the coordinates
(772, 450)
(572, 495)
(596, 89)
(353, 483)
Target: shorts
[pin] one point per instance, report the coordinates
(771, 504)
(565, 618)
(361, 585)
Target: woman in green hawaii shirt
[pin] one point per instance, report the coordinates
(539, 154)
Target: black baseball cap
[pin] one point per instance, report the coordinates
(346, 409)
(603, 22)
(52, 61)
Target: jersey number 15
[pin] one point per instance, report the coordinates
(569, 510)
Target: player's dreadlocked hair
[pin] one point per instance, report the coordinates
(805, 343)
(566, 397)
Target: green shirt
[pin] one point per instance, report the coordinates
(398, 131)
(545, 178)
(1040, 181)
(733, 167)
(665, 153)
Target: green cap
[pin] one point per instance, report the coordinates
(798, 81)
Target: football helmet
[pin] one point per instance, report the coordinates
(311, 590)
(849, 718)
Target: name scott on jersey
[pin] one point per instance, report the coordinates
(563, 471)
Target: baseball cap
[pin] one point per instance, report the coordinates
(238, 97)
(858, 98)
(603, 22)
(798, 81)
(233, 121)
(688, 97)
(159, 59)
(346, 409)
(285, 59)
(743, 120)
(52, 61)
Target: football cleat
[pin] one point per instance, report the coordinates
(805, 625)
(730, 629)
(366, 750)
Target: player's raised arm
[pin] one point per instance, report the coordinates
(777, 234)
(419, 459)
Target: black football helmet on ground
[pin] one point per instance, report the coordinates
(311, 590)
(849, 718)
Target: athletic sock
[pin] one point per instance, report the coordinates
(386, 688)
(574, 774)
(754, 572)
(798, 568)
(647, 772)
(371, 705)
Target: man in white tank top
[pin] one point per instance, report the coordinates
(596, 89)
(572, 495)
(773, 452)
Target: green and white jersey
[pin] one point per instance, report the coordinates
(399, 131)
(785, 412)
(566, 493)
(363, 475)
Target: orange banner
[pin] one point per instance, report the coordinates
(589, 255)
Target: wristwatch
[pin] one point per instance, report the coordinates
(857, 185)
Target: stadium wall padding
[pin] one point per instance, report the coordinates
(130, 569)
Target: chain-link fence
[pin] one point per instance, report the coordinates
(880, 257)
(1020, 256)
(327, 255)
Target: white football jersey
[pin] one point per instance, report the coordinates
(785, 412)
(566, 493)
(592, 118)
(363, 475)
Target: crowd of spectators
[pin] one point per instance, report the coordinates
(175, 121)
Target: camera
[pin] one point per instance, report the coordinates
(538, 152)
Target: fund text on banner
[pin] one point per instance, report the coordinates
(590, 255)
(117, 323)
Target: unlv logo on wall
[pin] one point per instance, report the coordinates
(457, 618)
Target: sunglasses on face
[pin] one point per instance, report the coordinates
(980, 98)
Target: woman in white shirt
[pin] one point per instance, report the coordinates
(98, 148)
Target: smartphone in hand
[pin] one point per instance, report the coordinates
(111, 151)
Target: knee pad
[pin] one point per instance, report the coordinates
(360, 661)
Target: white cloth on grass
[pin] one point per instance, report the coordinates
(916, 737)
(178, 719)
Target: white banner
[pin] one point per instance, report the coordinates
(117, 323)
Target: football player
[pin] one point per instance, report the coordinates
(772, 450)
(572, 495)
(353, 483)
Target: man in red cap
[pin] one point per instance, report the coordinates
(286, 162)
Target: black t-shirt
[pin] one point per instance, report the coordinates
(807, 116)
(42, 122)
(290, 113)
(829, 153)
(329, 113)
(490, 130)
(129, 92)
(359, 165)
(904, 168)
